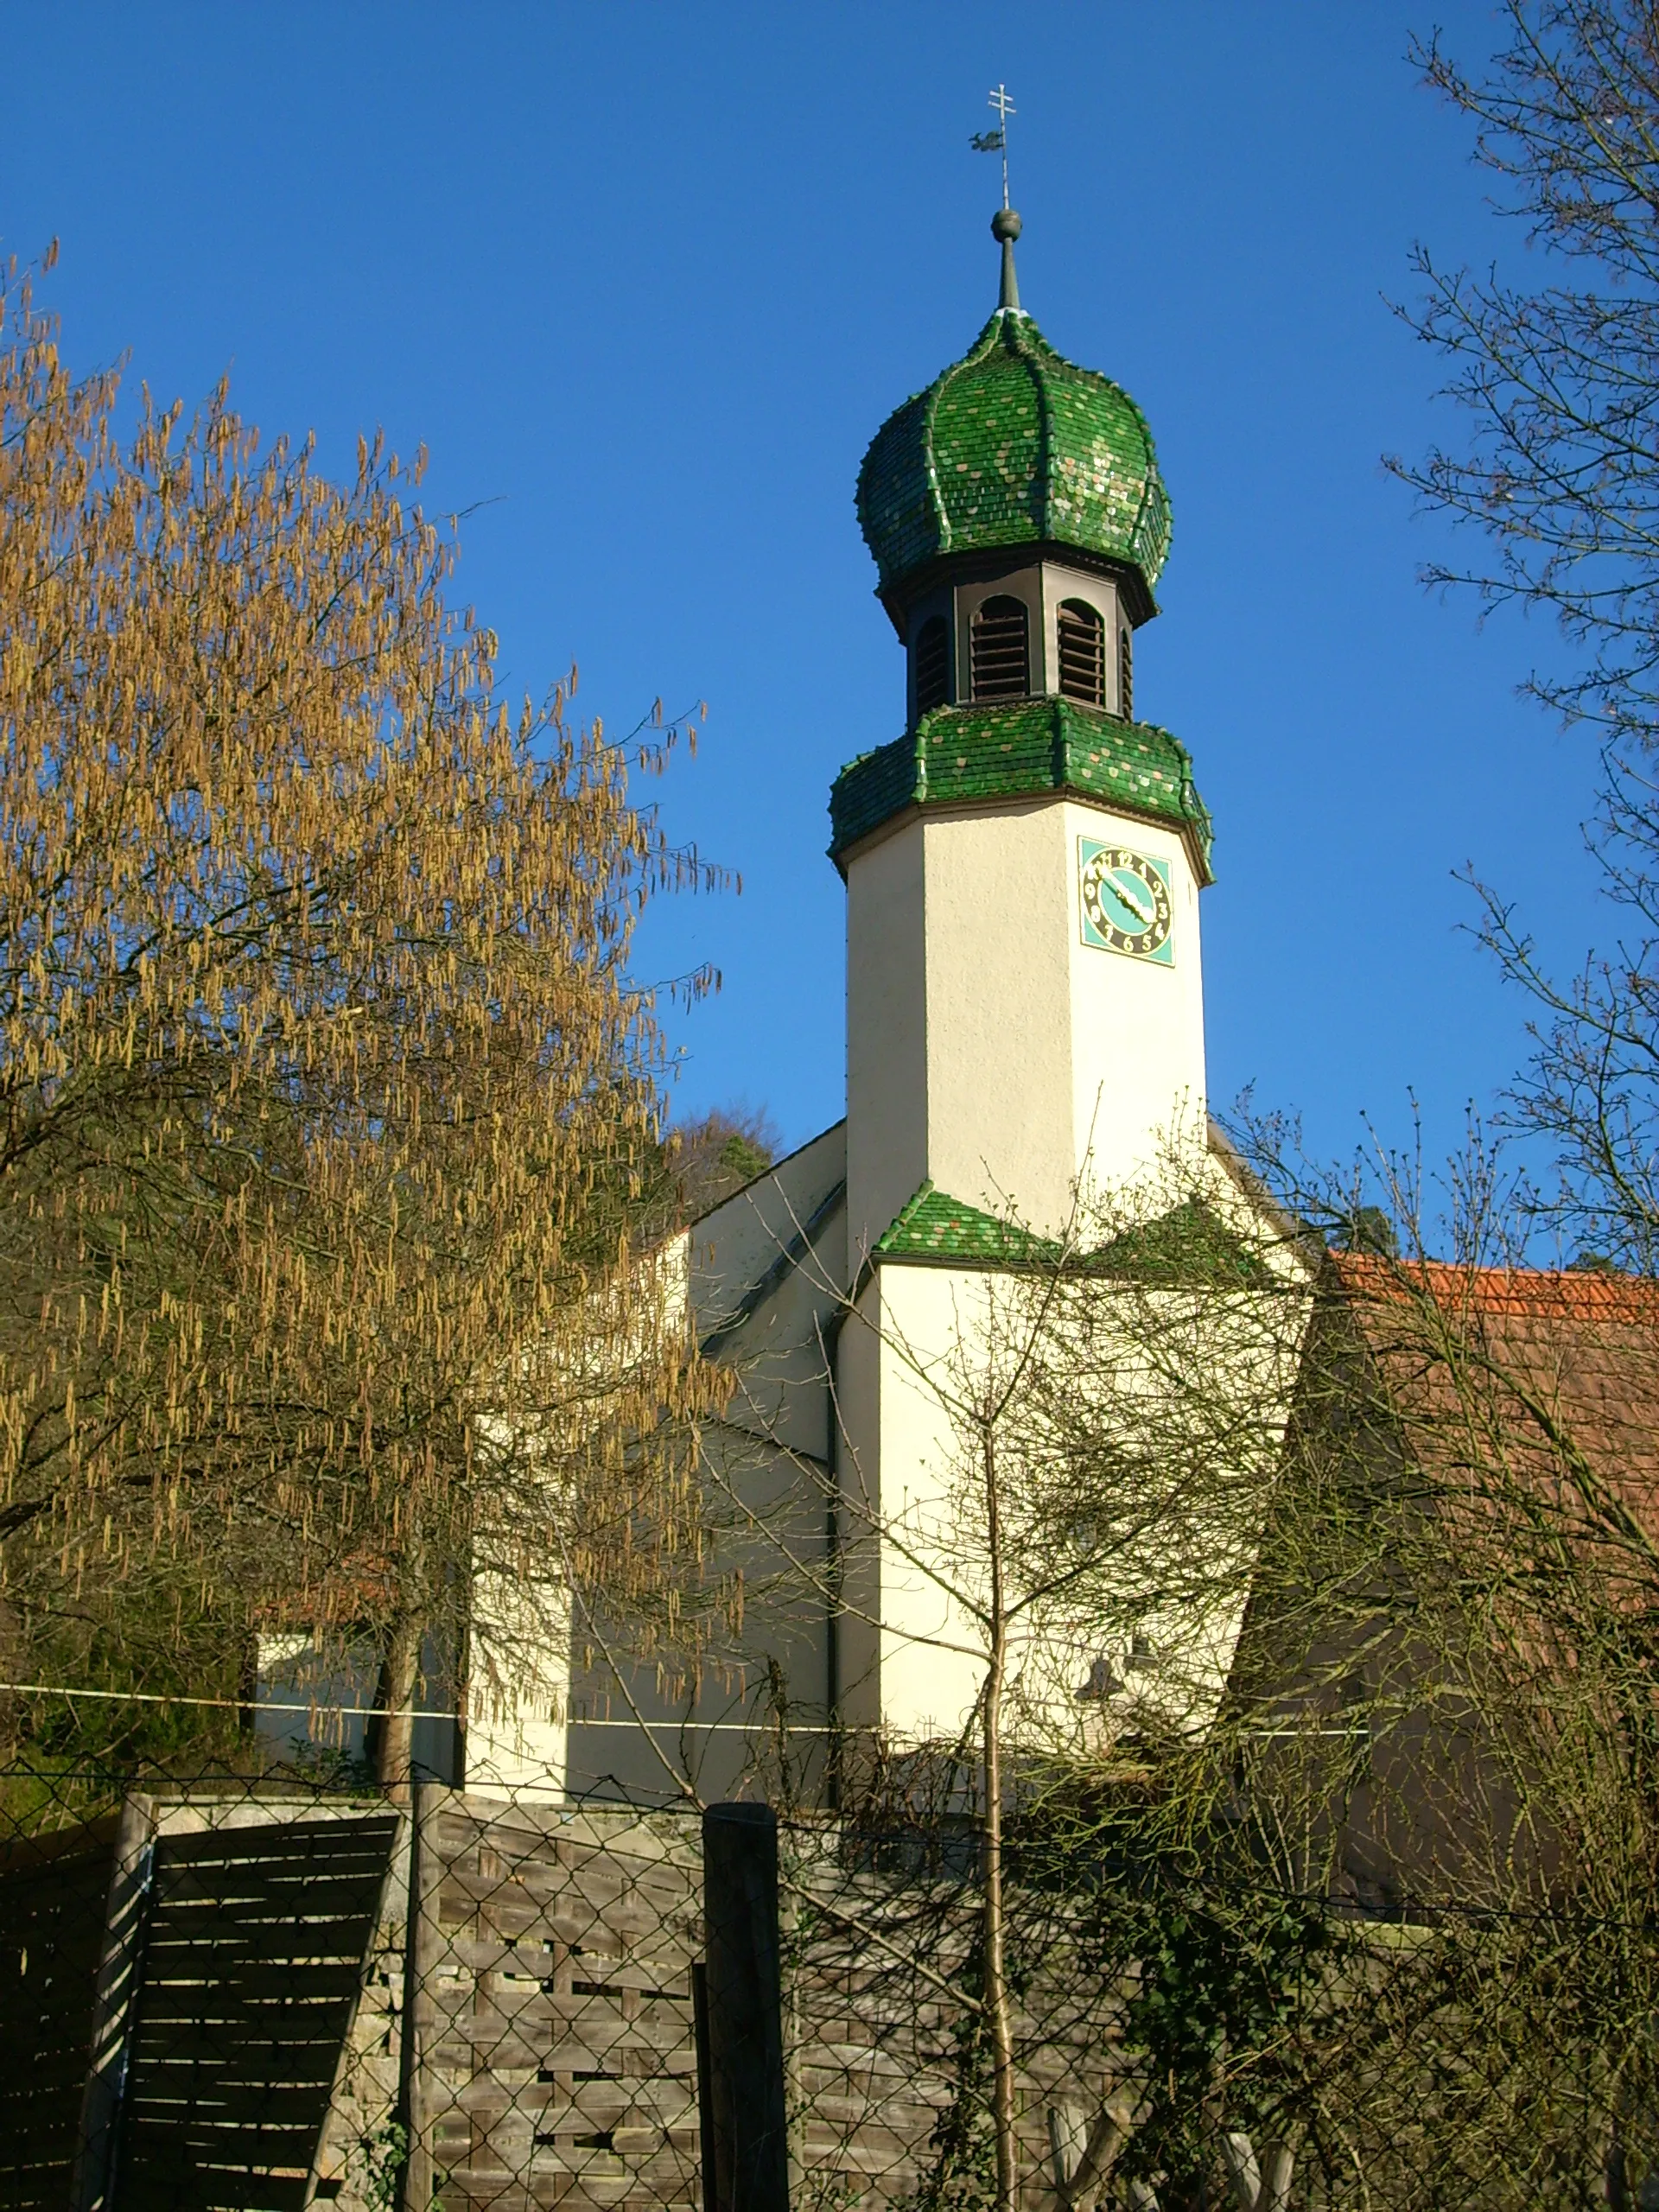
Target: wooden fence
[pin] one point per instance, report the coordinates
(53, 1900)
(178, 1990)
(553, 2025)
(485, 2005)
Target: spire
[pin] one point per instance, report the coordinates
(1005, 226)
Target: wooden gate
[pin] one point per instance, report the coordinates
(176, 1999)
(254, 1949)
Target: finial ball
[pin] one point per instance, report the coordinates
(1005, 224)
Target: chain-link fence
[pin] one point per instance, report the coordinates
(235, 1995)
(220, 1993)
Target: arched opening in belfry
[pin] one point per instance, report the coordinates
(1083, 652)
(932, 650)
(1000, 649)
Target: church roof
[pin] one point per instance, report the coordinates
(1018, 746)
(1556, 1365)
(932, 1226)
(1013, 445)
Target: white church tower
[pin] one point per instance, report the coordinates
(1024, 1000)
(1024, 1012)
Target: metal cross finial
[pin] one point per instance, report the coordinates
(1005, 107)
(996, 142)
(1005, 224)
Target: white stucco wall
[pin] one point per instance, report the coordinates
(518, 1734)
(887, 1034)
(914, 1654)
(1138, 1080)
(988, 1047)
(931, 1653)
(641, 1725)
(763, 1277)
(732, 1248)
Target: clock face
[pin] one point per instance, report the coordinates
(1126, 902)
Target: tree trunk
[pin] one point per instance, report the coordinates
(995, 1980)
(400, 1669)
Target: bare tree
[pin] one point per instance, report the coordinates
(711, 1158)
(1560, 479)
(1450, 1670)
(1067, 1564)
(1556, 369)
(1293, 1580)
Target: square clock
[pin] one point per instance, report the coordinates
(1126, 903)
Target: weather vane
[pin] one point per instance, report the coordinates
(996, 142)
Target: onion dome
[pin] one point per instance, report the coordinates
(1013, 445)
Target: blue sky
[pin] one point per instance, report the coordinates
(646, 279)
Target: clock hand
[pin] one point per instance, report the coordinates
(1142, 914)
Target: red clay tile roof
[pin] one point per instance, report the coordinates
(1571, 1295)
(1516, 1379)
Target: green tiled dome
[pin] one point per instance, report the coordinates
(1010, 446)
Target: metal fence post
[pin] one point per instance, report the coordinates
(743, 2093)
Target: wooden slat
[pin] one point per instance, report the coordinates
(52, 1904)
(203, 1895)
(205, 1890)
(243, 2008)
(225, 1985)
(658, 2027)
(240, 1846)
(647, 1967)
(191, 2187)
(468, 2044)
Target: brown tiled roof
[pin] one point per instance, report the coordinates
(1530, 1376)
(1572, 1296)
(351, 1591)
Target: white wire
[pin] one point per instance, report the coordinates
(228, 1703)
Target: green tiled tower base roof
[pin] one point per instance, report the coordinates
(1189, 1247)
(1018, 747)
(931, 1226)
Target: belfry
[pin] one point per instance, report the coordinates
(1023, 864)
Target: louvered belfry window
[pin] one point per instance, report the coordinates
(1126, 676)
(999, 651)
(933, 665)
(1083, 652)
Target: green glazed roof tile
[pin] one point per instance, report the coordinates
(935, 1227)
(1189, 1244)
(1018, 747)
(1013, 444)
(1188, 1247)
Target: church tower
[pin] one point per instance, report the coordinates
(1023, 865)
(1024, 1013)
